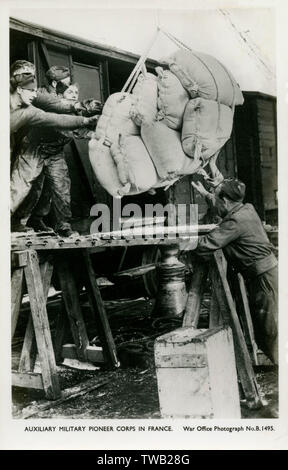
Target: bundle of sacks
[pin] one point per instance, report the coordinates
(169, 126)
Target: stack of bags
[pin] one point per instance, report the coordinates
(169, 126)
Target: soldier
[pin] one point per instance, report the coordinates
(246, 245)
(24, 120)
(56, 189)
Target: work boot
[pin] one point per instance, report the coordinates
(65, 230)
(18, 227)
(39, 225)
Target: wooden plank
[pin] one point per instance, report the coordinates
(215, 317)
(62, 325)
(78, 43)
(18, 259)
(94, 353)
(29, 350)
(50, 243)
(16, 297)
(97, 305)
(72, 305)
(193, 304)
(27, 380)
(68, 394)
(243, 361)
(247, 318)
(41, 326)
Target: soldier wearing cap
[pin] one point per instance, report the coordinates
(53, 191)
(24, 120)
(246, 245)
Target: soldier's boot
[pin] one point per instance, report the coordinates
(16, 226)
(64, 229)
(38, 225)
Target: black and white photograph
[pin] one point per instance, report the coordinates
(144, 231)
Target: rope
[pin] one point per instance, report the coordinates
(175, 40)
(140, 62)
(181, 44)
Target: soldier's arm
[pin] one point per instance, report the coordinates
(225, 233)
(35, 117)
(54, 104)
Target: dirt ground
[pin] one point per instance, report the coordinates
(131, 390)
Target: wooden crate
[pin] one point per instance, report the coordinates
(196, 374)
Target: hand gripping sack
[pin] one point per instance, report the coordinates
(172, 99)
(207, 125)
(115, 118)
(165, 149)
(204, 76)
(130, 153)
(144, 98)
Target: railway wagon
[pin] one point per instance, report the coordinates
(250, 154)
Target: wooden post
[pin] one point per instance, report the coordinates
(18, 261)
(29, 351)
(246, 316)
(41, 326)
(62, 325)
(103, 327)
(16, 297)
(218, 307)
(244, 366)
(73, 307)
(193, 304)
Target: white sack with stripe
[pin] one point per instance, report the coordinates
(134, 164)
(204, 76)
(207, 125)
(105, 169)
(115, 118)
(165, 149)
(172, 99)
(144, 99)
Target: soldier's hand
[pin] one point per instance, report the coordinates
(91, 122)
(93, 107)
(78, 107)
(90, 107)
(200, 188)
(214, 182)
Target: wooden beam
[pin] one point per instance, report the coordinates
(218, 308)
(78, 43)
(16, 297)
(41, 326)
(62, 325)
(28, 353)
(94, 353)
(243, 361)
(27, 380)
(97, 305)
(193, 304)
(18, 259)
(246, 317)
(68, 394)
(72, 306)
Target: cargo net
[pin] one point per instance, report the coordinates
(162, 126)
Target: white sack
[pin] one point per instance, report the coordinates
(165, 149)
(115, 118)
(206, 124)
(204, 76)
(144, 99)
(172, 99)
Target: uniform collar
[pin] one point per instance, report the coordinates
(235, 209)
